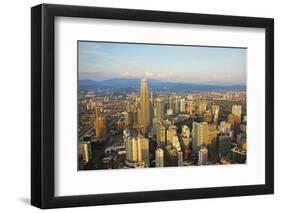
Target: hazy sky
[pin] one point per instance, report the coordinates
(192, 64)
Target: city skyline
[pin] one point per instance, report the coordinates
(100, 61)
(143, 123)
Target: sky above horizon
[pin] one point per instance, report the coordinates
(190, 64)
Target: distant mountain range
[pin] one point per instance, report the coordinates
(134, 85)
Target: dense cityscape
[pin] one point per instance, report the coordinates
(160, 128)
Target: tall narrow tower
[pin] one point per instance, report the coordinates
(144, 105)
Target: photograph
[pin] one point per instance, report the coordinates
(139, 105)
(160, 105)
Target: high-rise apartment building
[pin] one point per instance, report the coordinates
(176, 108)
(182, 105)
(200, 134)
(137, 150)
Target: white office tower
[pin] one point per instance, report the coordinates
(236, 110)
(185, 134)
(180, 158)
(159, 157)
(203, 156)
(182, 105)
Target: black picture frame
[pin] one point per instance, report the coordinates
(43, 110)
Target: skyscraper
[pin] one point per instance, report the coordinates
(159, 157)
(160, 134)
(190, 107)
(159, 109)
(84, 150)
(132, 150)
(200, 134)
(212, 141)
(100, 124)
(234, 120)
(177, 105)
(137, 150)
(144, 106)
(143, 150)
(132, 116)
(170, 103)
(182, 105)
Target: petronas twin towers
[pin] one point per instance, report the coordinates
(144, 105)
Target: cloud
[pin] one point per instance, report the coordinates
(101, 61)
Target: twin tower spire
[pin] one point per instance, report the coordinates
(144, 105)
